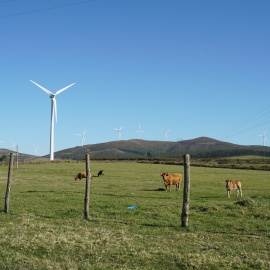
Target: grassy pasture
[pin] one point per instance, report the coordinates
(45, 228)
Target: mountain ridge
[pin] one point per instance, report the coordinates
(133, 148)
(145, 148)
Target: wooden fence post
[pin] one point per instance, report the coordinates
(10, 170)
(87, 187)
(185, 210)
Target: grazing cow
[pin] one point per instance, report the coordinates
(172, 179)
(230, 185)
(101, 172)
(80, 176)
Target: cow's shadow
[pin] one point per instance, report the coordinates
(157, 189)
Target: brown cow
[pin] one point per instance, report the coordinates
(230, 185)
(172, 179)
(80, 176)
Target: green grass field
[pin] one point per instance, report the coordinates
(45, 227)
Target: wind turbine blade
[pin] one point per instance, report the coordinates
(63, 89)
(44, 89)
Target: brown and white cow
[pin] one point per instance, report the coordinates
(80, 176)
(231, 185)
(172, 179)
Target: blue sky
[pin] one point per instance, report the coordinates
(197, 68)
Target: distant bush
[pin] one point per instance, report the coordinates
(3, 158)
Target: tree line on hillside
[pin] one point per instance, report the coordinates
(230, 153)
(221, 153)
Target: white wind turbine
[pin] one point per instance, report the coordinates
(139, 131)
(36, 148)
(119, 133)
(264, 138)
(53, 113)
(82, 135)
(16, 147)
(166, 132)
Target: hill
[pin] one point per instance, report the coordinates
(199, 147)
(202, 147)
(5, 154)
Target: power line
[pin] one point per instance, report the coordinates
(245, 130)
(6, 1)
(258, 119)
(43, 9)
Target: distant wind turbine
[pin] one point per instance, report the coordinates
(82, 135)
(166, 132)
(119, 133)
(264, 138)
(13, 146)
(139, 131)
(53, 113)
(36, 148)
(16, 147)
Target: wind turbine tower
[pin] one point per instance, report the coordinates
(166, 132)
(264, 138)
(139, 131)
(119, 133)
(53, 113)
(82, 135)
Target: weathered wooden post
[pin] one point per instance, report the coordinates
(185, 210)
(87, 187)
(10, 170)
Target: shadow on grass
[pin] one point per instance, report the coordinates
(97, 221)
(253, 235)
(212, 197)
(50, 191)
(158, 226)
(117, 195)
(157, 189)
(8, 213)
(39, 191)
(48, 217)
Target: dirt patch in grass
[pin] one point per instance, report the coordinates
(245, 202)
